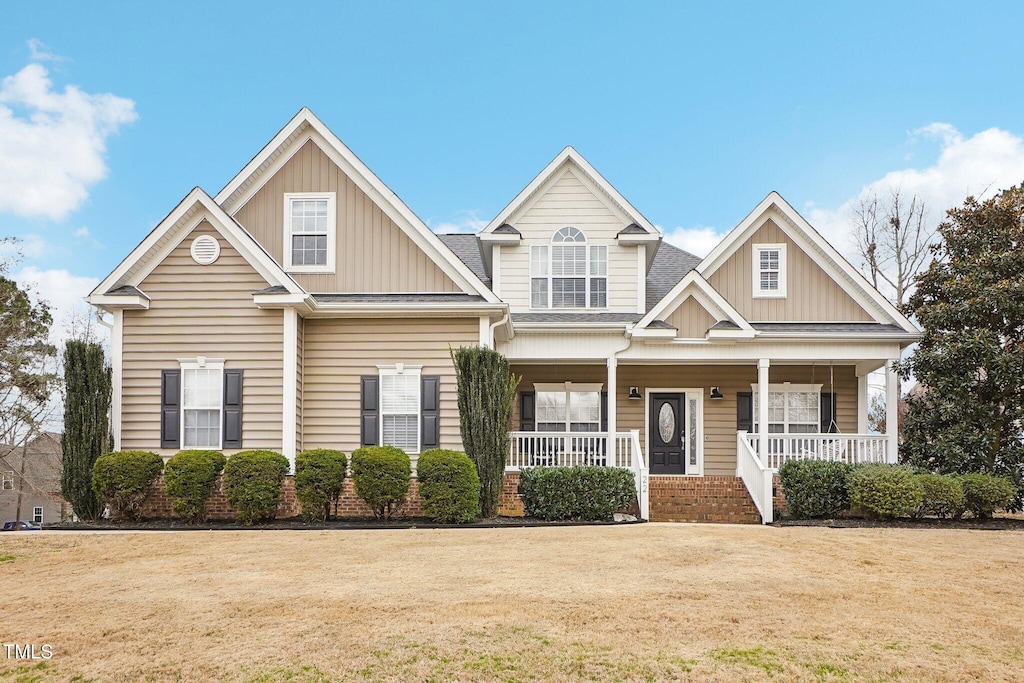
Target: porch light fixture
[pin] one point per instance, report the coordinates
(634, 393)
(716, 394)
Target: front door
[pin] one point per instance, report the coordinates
(668, 450)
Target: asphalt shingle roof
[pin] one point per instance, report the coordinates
(467, 248)
(453, 297)
(669, 266)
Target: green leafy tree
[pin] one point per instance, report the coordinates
(970, 305)
(87, 388)
(486, 389)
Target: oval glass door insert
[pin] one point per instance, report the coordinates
(666, 422)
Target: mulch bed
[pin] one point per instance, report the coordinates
(297, 524)
(995, 524)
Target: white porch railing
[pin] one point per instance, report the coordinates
(756, 476)
(848, 448)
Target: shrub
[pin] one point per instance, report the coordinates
(584, 492)
(253, 482)
(986, 493)
(943, 495)
(815, 488)
(885, 491)
(449, 486)
(189, 478)
(319, 479)
(121, 480)
(381, 477)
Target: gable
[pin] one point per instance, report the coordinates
(568, 200)
(691, 319)
(812, 294)
(373, 254)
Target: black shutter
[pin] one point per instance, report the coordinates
(745, 411)
(828, 414)
(604, 411)
(430, 398)
(232, 409)
(527, 419)
(368, 428)
(170, 409)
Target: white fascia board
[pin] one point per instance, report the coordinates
(804, 234)
(712, 299)
(503, 238)
(731, 334)
(629, 240)
(842, 336)
(366, 180)
(377, 310)
(109, 302)
(655, 333)
(281, 300)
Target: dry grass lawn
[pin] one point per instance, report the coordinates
(647, 602)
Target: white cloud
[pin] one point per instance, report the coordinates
(981, 165)
(467, 220)
(82, 232)
(698, 241)
(63, 291)
(38, 51)
(52, 143)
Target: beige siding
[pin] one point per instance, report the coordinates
(339, 351)
(373, 253)
(202, 311)
(569, 201)
(811, 294)
(691, 319)
(300, 333)
(719, 415)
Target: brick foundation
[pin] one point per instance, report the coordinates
(701, 499)
(510, 504)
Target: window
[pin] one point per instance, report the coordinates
(568, 407)
(37, 515)
(792, 408)
(309, 219)
(400, 407)
(568, 274)
(769, 270)
(7, 480)
(202, 393)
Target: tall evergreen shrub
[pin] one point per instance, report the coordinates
(87, 383)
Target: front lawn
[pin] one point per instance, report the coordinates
(637, 602)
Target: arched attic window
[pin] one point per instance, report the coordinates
(568, 274)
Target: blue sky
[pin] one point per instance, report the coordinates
(110, 113)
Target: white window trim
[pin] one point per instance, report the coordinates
(569, 388)
(400, 369)
(201, 363)
(759, 293)
(7, 480)
(785, 388)
(332, 231)
(588, 246)
(37, 518)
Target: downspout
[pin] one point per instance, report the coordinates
(495, 326)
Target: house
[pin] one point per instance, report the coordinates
(38, 483)
(305, 305)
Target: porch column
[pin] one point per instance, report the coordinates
(862, 402)
(613, 364)
(892, 412)
(762, 409)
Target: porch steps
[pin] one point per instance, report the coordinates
(701, 499)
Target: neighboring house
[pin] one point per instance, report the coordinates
(307, 306)
(41, 500)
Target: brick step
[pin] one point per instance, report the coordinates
(701, 499)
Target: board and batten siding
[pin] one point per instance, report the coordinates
(340, 351)
(569, 202)
(373, 254)
(691, 319)
(811, 294)
(202, 311)
(719, 415)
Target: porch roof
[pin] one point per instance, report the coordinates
(828, 328)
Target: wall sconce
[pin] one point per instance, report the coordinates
(634, 393)
(716, 394)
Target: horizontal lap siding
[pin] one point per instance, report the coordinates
(202, 311)
(372, 253)
(340, 351)
(300, 332)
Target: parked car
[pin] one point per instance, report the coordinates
(21, 526)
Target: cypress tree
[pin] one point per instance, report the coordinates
(87, 383)
(486, 389)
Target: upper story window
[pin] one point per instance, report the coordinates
(7, 480)
(309, 219)
(769, 276)
(569, 273)
(202, 396)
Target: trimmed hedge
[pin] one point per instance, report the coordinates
(815, 488)
(253, 481)
(449, 486)
(381, 478)
(582, 492)
(943, 496)
(121, 480)
(319, 479)
(984, 494)
(189, 478)
(885, 491)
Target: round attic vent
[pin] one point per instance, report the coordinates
(205, 250)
